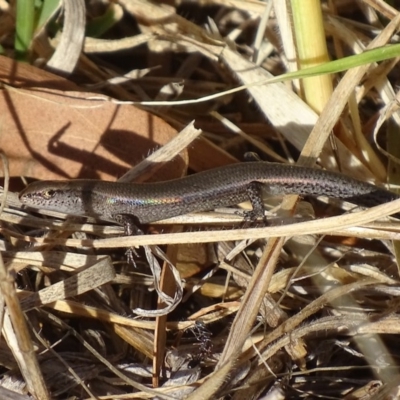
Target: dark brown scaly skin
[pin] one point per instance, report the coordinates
(225, 186)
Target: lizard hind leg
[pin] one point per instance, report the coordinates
(254, 192)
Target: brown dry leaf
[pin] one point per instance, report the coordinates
(49, 129)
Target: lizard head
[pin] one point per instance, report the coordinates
(55, 196)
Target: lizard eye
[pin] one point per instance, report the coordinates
(48, 194)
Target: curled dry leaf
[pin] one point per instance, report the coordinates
(51, 130)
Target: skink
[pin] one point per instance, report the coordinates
(225, 186)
